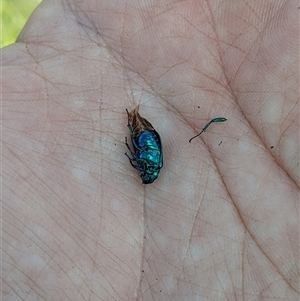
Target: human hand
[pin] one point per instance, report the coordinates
(221, 220)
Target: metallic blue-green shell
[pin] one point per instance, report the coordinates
(147, 155)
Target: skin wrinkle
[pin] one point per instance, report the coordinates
(256, 133)
(253, 238)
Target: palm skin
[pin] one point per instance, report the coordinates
(221, 220)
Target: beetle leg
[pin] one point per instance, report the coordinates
(128, 147)
(138, 167)
(130, 160)
(136, 146)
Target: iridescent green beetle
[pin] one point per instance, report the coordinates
(146, 142)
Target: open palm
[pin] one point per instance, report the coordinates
(221, 220)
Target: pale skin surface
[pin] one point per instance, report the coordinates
(221, 221)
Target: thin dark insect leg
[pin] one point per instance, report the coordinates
(128, 123)
(135, 166)
(196, 135)
(134, 158)
(218, 119)
(128, 147)
(130, 160)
